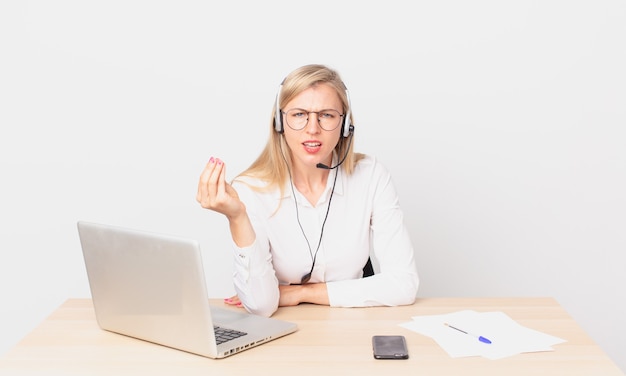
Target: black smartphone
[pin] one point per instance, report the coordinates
(390, 347)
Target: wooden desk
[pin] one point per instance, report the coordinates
(330, 341)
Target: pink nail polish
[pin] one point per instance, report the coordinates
(211, 160)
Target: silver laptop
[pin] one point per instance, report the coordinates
(152, 287)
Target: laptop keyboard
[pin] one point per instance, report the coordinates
(223, 335)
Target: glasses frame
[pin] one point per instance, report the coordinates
(308, 116)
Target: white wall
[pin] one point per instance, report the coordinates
(501, 121)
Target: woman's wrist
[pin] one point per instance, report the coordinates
(241, 230)
(314, 293)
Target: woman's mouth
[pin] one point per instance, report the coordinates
(312, 146)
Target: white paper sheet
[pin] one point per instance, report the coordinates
(507, 336)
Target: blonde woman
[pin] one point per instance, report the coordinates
(305, 216)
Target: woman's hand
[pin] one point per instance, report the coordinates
(234, 300)
(215, 194)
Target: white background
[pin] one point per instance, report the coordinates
(502, 122)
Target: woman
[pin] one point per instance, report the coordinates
(305, 215)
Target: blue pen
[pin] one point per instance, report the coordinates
(480, 338)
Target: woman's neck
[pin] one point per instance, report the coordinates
(311, 183)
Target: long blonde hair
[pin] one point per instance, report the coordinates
(274, 163)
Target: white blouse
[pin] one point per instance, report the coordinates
(364, 214)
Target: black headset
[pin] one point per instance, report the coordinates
(346, 126)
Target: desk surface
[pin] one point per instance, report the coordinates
(329, 341)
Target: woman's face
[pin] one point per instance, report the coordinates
(314, 143)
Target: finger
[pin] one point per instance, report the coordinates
(233, 300)
(212, 186)
(221, 179)
(203, 182)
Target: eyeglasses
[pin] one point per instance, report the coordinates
(298, 118)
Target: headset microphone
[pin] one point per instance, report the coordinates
(321, 165)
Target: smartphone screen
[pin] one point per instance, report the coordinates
(390, 347)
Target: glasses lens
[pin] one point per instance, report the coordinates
(298, 118)
(329, 119)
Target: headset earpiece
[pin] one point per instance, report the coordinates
(278, 116)
(347, 127)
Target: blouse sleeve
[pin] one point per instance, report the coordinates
(254, 278)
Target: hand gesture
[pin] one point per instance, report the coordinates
(215, 193)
